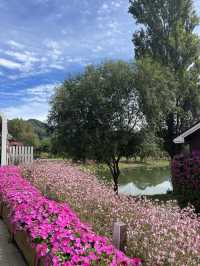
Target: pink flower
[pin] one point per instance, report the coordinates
(42, 249)
(53, 228)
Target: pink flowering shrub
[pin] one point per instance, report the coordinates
(53, 228)
(160, 233)
(186, 178)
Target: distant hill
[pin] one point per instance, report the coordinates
(40, 128)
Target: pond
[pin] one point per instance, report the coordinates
(145, 181)
(141, 179)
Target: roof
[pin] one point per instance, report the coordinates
(15, 143)
(181, 138)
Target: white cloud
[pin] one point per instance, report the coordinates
(11, 94)
(25, 61)
(42, 1)
(116, 4)
(115, 27)
(9, 64)
(104, 9)
(30, 62)
(53, 45)
(34, 102)
(105, 6)
(23, 57)
(32, 73)
(15, 44)
(38, 110)
(77, 60)
(33, 62)
(44, 90)
(97, 49)
(57, 66)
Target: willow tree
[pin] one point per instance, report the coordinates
(166, 40)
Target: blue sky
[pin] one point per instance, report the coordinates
(43, 41)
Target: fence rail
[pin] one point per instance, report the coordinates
(20, 155)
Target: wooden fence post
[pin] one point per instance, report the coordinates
(119, 235)
(4, 140)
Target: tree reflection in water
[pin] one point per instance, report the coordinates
(144, 180)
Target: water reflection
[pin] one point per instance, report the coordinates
(145, 181)
(132, 189)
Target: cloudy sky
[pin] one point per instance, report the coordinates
(43, 41)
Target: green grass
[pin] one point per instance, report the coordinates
(148, 164)
(95, 168)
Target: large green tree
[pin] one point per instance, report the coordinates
(94, 115)
(167, 49)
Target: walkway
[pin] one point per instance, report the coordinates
(9, 254)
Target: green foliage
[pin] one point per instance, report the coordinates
(168, 65)
(166, 33)
(32, 132)
(151, 146)
(23, 131)
(45, 145)
(44, 148)
(40, 128)
(157, 87)
(94, 115)
(133, 146)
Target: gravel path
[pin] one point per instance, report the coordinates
(9, 254)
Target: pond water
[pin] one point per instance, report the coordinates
(145, 181)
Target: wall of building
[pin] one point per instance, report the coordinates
(194, 141)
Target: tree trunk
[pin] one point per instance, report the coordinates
(114, 169)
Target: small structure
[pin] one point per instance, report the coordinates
(13, 142)
(190, 137)
(4, 139)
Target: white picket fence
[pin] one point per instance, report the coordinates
(19, 155)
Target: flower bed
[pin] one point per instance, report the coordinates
(161, 234)
(50, 233)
